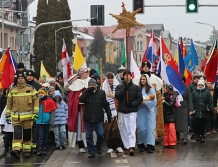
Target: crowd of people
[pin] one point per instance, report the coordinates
(126, 112)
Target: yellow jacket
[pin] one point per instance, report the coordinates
(22, 102)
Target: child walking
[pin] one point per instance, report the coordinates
(46, 105)
(60, 121)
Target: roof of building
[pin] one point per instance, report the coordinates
(81, 35)
(12, 24)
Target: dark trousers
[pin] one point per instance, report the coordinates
(8, 137)
(210, 123)
(34, 135)
(200, 124)
(80, 144)
(193, 124)
(114, 143)
(43, 133)
(89, 135)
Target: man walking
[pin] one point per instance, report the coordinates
(23, 106)
(95, 101)
(129, 97)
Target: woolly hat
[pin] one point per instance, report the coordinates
(42, 91)
(125, 72)
(92, 81)
(50, 80)
(169, 86)
(91, 72)
(196, 76)
(30, 72)
(146, 63)
(21, 74)
(20, 65)
(60, 75)
(50, 88)
(121, 69)
(201, 81)
(96, 76)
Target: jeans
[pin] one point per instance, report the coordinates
(89, 135)
(60, 135)
(43, 131)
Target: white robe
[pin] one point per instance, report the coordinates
(127, 127)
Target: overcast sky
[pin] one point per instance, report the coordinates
(175, 19)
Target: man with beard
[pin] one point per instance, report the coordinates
(37, 86)
(157, 84)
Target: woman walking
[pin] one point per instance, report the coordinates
(146, 115)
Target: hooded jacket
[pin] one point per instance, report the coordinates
(61, 113)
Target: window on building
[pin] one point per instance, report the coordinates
(139, 45)
(139, 36)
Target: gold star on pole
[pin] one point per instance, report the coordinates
(126, 20)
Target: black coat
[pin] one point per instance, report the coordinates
(34, 84)
(134, 97)
(3, 101)
(94, 103)
(169, 108)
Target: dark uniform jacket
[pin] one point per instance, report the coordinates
(134, 97)
(94, 103)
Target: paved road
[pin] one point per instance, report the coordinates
(191, 155)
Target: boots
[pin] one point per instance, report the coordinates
(193, 136)
(149, 149)
(141, 147)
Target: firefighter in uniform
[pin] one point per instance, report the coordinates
(22, 106)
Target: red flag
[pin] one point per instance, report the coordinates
(9, 70)
(211, 68)
(65, 64)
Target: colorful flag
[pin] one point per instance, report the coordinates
(65, 64)
(182, 48)
(151, 53)
(123, 59)
(79, 61)
(43, 72)
(97, 68)
(133, 67)
(169, 71)
(191, 59)
(209, 65)
(179, 60)
(8, 67)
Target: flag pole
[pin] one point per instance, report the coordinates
(211, 49)
(101, 74)
(127, 64)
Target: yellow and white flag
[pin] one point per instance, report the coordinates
(79, 61)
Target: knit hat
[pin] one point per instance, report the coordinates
(50, 80)
(121, 69)
(92, 81)
(201, 81)
(91, 72)
(196, 76)
(21, 74)
(125, 72)
(42, 91)
(169, 86)
(146, 63)
(50, 88)
(20, 65)
(96, 76)
(60, 75)
(30, 72)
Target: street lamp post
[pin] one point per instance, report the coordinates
(56, 34)
(3, 19)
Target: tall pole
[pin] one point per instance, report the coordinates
(3, 31)
(127, 64)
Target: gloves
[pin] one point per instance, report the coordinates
(126, 87)
(8, 120)
(35, 117)
(129, 104)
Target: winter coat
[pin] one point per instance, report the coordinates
(169, 108)
(61, 113)
(182, 112)
(3, 101)
(134, 97)
(215, 95)
(43, 117)
(200, 97)
(193, 86)
(94, 103)
(34, 84)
